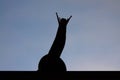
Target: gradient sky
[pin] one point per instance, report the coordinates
(28, 28)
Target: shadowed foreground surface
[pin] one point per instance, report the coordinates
(71, 75)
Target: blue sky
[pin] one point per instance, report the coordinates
(28, 28)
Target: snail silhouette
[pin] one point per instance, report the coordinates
(52, 61)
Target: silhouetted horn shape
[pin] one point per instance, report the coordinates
(58, 18)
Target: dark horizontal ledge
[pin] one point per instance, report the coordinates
(72, 75)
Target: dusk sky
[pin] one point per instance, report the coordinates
(28, 29)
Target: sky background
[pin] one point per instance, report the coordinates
(28, 28)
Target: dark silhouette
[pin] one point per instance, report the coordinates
(52, 61)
